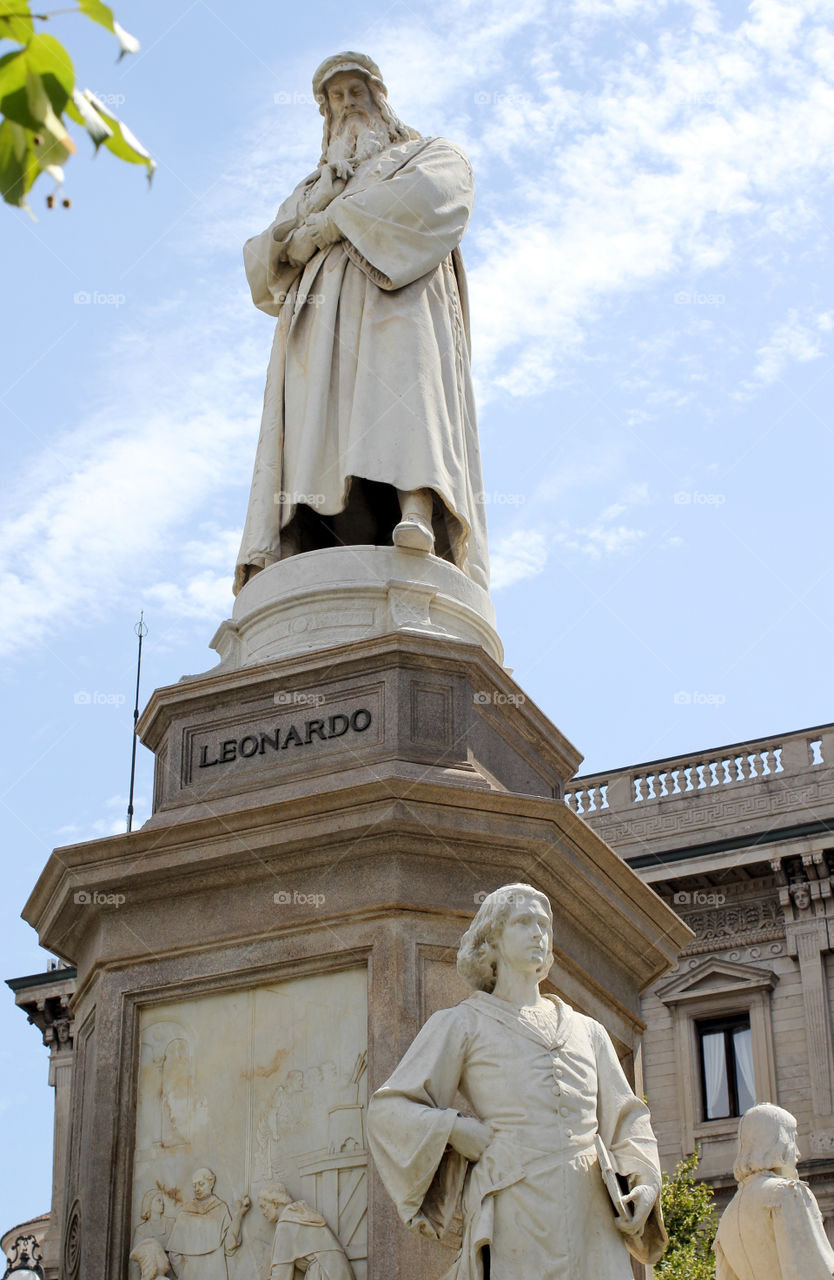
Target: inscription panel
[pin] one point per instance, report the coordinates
(299, 730)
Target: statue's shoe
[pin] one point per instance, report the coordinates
(414, 533)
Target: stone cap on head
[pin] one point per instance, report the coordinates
(348, 61)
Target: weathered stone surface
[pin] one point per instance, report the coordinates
(411, 706)
(772, 1228)
(343, 594)
(365, 875)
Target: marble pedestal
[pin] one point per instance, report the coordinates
(343, 594)
(257, 958)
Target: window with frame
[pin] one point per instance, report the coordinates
(726, 1057)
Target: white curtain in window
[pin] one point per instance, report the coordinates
(745, 1079)
(715, 1076)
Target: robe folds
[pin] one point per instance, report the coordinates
(304, 1242)
(772, 1230)
(369, 373)
(536, 1197)
(200, 1240)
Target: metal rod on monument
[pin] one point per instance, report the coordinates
(141, 631)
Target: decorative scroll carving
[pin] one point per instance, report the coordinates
(739, 923)
(25, 1259)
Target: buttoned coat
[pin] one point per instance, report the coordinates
(536, 1197)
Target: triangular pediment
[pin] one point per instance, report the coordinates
(714, 977)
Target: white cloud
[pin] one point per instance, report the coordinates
(109, 501)
(793, 340)
(524, 553)
(518, 555)
(684, 152)
(601, 539)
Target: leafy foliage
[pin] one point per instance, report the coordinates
(689, 1213)
(38, 96)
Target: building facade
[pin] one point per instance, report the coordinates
(740, 841)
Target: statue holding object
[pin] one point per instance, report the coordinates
(545, 1086)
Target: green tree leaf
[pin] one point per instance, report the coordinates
(104, 15)
(689, 1213)
(49, 59)
(35, 83)
(37, 88)
(18, 26)
(83, 112)
(122, 142)
(18, 166)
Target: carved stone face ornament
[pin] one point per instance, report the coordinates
(801, 894)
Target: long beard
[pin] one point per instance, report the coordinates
(355, 141)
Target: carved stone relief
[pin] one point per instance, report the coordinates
(731, 916)
(240, 1095)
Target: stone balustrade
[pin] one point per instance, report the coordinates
(739, 766)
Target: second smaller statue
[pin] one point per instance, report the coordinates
(772, 1228)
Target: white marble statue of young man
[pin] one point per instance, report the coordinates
(772, 1228)
(368, 432)
(543, 1082)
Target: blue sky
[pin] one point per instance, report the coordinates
(653, 321)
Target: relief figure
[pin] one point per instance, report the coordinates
(205, 1233)
(303, 1242)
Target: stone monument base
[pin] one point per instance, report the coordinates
(332, 597)
(254, 961)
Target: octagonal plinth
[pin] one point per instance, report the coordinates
(253, 962)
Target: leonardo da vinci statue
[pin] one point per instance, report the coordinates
(368, 433)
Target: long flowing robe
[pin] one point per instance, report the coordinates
(201, 1238)
(369, 373)
(536, 1197)
(303, 1240)
(772, 1230)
